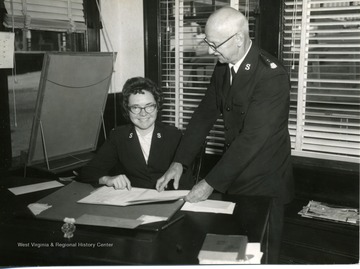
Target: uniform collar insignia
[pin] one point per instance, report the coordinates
(268, 61)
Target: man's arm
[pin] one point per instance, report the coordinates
(200, 124)
(174, 172)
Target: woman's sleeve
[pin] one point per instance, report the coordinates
(105, 159)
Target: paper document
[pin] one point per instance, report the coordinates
(35, 187)
(37, 208)
(210, 206)
(7, 49)
(150, 219)
(109, 196)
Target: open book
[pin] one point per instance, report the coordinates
(110, 196)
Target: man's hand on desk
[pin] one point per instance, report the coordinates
(199, 192)
(119, 182)
(174, 172)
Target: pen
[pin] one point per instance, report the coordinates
(172, 222)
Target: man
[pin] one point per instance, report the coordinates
(254, 103)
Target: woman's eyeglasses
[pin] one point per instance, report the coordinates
(137, 109)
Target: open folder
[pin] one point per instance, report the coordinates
(63, 203)
(110, 196)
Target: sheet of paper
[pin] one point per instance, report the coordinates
(37, 208)
(35, 187)
(109, 196)
(150, 219)
(210, 206)
(253, 253)
(7, 50)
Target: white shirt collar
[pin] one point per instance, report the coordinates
(145, 143)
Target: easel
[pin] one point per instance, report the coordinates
(69, 110)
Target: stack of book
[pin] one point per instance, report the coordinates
(229, 249)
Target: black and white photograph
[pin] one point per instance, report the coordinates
(179, 133)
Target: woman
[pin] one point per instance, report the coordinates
(140, 152)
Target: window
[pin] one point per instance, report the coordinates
(39, 26)
(46, 25)
(321, 51)
(186, 66)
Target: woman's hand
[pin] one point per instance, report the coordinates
(119, 182)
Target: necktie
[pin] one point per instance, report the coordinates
(233, 74)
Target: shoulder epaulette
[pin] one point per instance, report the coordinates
(268, 62)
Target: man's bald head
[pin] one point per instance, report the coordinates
(228, 21)
(227, 33)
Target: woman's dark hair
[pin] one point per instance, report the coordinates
(137, 85)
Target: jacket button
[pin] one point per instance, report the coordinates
(228, 109)
(226, 128)
(227, 145)
(242, 113)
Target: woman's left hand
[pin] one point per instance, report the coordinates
(119, 182)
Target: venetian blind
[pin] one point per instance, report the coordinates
(321, 51)
(48, 15)
(186, 66)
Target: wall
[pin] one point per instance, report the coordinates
(123, 23)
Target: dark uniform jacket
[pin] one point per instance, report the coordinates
(255, 110)
(121, 154)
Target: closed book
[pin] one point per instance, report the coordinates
(226, 249)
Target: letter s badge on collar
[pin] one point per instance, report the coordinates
(247, 67)
(130, 135)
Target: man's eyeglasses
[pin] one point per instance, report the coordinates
(215, 48)
(137, 109)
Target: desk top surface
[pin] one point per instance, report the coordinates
(41, 242)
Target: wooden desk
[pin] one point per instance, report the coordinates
(28, 241)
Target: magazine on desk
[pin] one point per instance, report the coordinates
(110, 196)
(324, 211)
